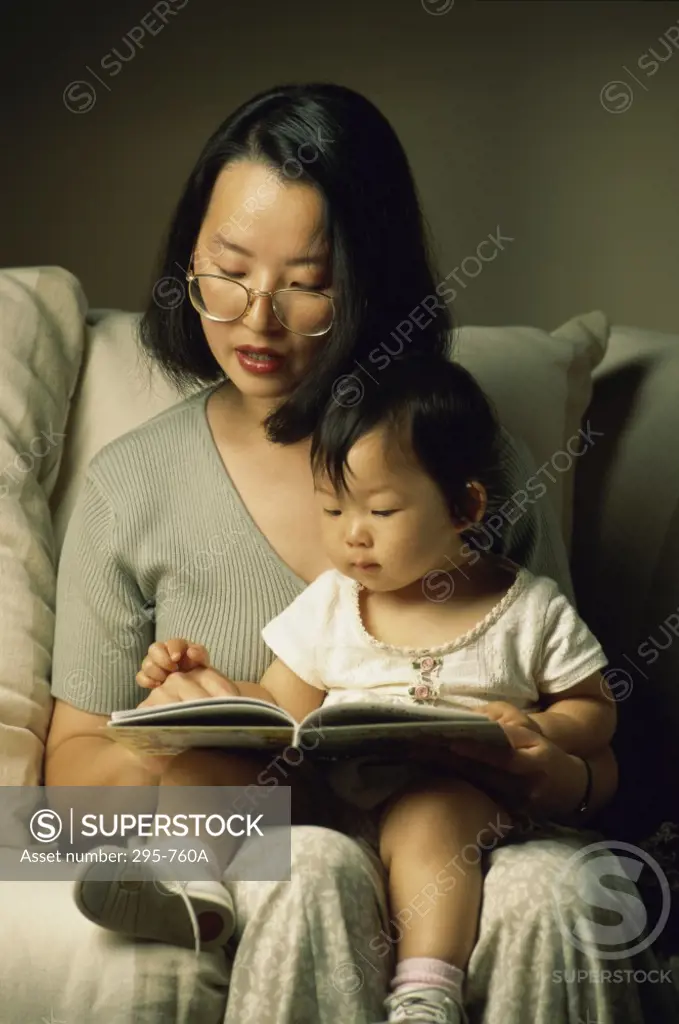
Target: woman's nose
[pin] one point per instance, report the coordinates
(260, 317)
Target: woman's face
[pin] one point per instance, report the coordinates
(265, 231)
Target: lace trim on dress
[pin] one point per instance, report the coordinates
(518, 586)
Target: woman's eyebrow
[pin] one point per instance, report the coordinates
(317, 260)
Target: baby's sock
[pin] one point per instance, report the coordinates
(426, 972)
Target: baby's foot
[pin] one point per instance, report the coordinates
(139, 902)
(423, 1006)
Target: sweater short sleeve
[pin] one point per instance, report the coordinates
(300, 634)
(102, 628)
(570, 652)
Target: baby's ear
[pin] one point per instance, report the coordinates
(477, 499)
(474, 505)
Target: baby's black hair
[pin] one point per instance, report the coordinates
(450, 424)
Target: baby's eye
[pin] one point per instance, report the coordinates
(332, 511)
(384, 512)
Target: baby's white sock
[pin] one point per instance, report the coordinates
(427, 972)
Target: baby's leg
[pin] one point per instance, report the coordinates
(431, 842)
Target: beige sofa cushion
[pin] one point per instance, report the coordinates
(541, 385)
(56, 967)
(116, 391)
(41, 341)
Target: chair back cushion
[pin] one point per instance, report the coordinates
(41, 342)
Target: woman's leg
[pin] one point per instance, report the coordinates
(310, 795)
(215, 769)
(304, 953)
(142, 898)
(525, 965)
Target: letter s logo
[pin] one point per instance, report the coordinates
(582, 888)
(45, 826)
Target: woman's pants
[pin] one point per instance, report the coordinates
(319, 949)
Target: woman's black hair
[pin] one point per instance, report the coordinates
(434, 407)
(336, 140)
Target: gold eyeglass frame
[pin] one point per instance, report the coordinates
(251, 293)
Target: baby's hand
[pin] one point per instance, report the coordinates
(506, 714)
(170, 656)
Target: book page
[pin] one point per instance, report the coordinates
(366, 728)
(237, 711)
(383, 712)
(167, 739)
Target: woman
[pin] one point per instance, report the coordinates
(302, 239)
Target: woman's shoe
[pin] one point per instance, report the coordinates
(195, 915)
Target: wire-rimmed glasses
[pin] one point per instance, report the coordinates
(223, 299)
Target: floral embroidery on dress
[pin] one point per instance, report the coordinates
(426, 688)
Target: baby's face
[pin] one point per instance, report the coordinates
(393, 527)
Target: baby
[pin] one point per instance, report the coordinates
(416, 610)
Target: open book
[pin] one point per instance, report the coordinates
(335, 730)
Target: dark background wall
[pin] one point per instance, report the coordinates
(501, 107)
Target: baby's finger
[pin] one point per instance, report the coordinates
(198, 656)
(146, 681)
(176, 648)
(153, 671)
(497, 709)
(493, 712)
(161, 656)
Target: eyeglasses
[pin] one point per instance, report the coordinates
(224, 300)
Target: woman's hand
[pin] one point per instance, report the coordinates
(506, 714)
(198, 684)
(175, 655)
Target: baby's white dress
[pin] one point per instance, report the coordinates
(532, 642)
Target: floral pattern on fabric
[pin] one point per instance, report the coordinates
(426, 688)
